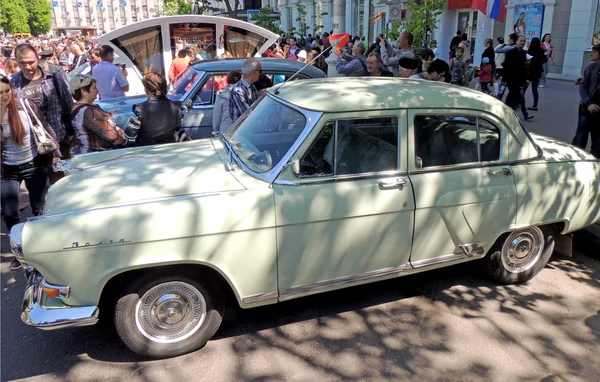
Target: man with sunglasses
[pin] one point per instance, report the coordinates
(243, 93)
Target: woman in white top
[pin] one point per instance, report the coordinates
(20, 158)
(549, 50)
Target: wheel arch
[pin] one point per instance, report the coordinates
(112, 287)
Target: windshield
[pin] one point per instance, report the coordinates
(265, 133)
(185, 81)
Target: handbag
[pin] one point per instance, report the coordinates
(43, 142)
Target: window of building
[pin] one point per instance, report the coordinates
(88, 20)
(443, 140)
(353, 146)
(144, 48)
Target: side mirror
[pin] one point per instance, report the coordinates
(295, 165)
(188, 105)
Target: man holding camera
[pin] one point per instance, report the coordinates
(110, 79)
(392, 56)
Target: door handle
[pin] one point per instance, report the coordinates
(506, 171)
(392, 183)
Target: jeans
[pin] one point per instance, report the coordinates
(588, 124)
(36, 178)
(516, 97)
(545, 72)
(534, 90)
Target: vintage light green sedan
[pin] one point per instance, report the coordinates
(324, 184)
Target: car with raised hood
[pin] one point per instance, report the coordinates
(323, 184)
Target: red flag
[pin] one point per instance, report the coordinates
(341, 44)
(377, 17)
(338, 36)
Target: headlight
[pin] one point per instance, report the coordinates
(16, 241)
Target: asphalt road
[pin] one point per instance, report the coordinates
(452, 324)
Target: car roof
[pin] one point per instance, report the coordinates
(267, 64)
(346, 94)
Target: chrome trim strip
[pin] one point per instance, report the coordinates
(318, 286)
(150, 201)
(454, 167)
(63, 291)
(338, 178)
(34, 314)
(260, 297)
(439, 260)
(471, 249)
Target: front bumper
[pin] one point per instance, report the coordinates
(51, 313)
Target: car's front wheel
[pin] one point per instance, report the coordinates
(168, 316)
(520, 256)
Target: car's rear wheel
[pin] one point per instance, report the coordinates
(168, 316)
(520, 256)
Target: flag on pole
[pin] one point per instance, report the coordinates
(498, 10)
(344, 39)
(377, 17)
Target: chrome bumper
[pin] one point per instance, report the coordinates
(51, 313)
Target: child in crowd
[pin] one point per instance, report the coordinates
(459, 67)
(485, 75)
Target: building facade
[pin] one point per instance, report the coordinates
(99, 16)
(573, 24)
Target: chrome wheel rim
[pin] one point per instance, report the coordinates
(522, 249)
(170, 312)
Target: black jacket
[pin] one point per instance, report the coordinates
(489, 53)
(515, 67)
(160, 118)
(536, 65)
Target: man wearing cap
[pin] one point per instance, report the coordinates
(48, 66)
(407, 67)
(435, 72)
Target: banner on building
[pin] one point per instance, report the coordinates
(468, 4)
(528, 20)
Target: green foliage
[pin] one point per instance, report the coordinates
(423, 18)
(302, 19)
(40, 16)
(318, 16)
(395, 31)
(13, 16)
(175, 7)
(202, 7)
(263, 19)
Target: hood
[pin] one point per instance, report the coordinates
(143, 174)
(559, 151)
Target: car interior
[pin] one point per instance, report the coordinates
(447, 140)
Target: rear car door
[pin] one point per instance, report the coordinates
(464, 188)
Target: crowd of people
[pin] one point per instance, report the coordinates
(45, 117)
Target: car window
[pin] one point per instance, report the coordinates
(206, 94)
(353, 146)
(241, 42)
(144, 48)
(443, 140)
(185, 81)
(197, 35)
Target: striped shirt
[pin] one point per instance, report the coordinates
(242, 97)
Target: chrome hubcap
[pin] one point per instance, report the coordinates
(170, 312)
(522, 249)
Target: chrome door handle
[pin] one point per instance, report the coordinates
(506, 171)
(392, 183)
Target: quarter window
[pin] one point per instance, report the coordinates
(443, 140)
(353, 146)
(207, 93)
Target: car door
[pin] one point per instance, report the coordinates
(464, 188)
(197, 122)
(346, 216)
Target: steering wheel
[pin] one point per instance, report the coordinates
(268, 159)
(246, 147)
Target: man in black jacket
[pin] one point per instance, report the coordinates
(454, 44)
(515, 76)
(589, 107)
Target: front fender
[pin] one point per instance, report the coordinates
(231, 232)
